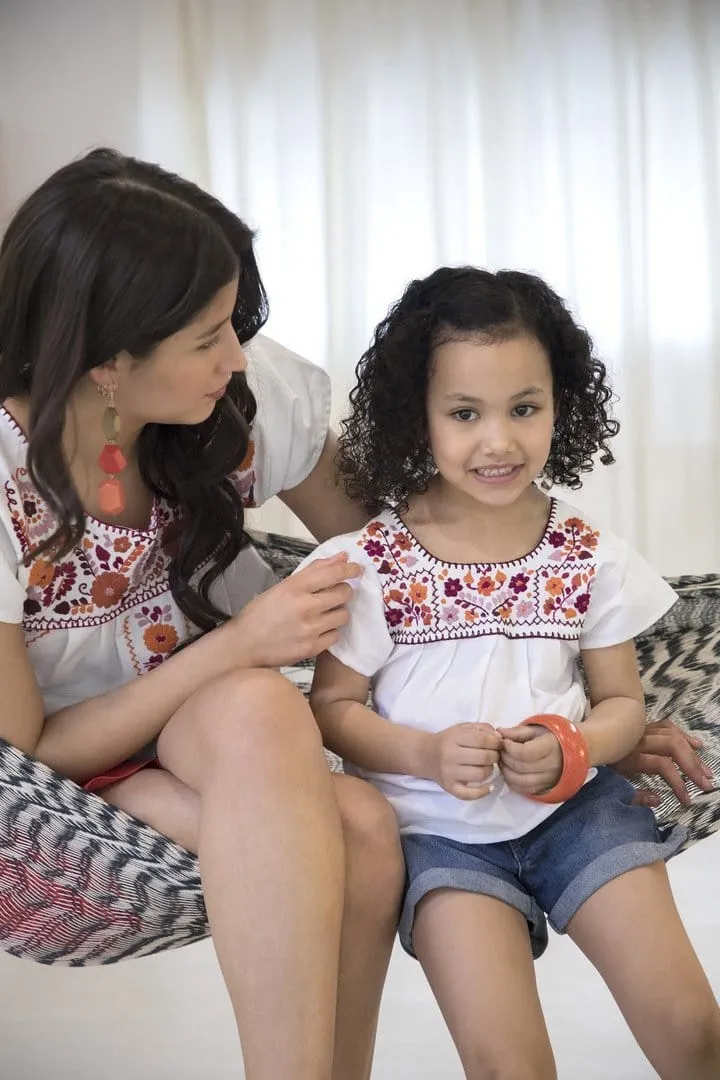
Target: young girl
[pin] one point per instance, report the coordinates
(480, 596)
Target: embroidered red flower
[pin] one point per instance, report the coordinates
(161, 638)
(402, 541)
(556, 539)
(582, 602)
(452, 587)
(393, 617)
(108, 588)
(374, 548)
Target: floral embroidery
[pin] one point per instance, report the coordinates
(110, 572)
(546, 594)
(244, 477)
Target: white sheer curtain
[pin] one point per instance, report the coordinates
(371, 141)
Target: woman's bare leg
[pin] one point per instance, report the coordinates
(375, 874)
(270, 848)
(373, 886)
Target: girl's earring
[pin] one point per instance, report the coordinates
(111, 494)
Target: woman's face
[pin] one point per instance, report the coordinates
(186, 374)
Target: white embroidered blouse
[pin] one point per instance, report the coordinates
(445, 643)
(104, 614)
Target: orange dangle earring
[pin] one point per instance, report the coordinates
(112, 461)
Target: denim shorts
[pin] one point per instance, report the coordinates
(589, 840)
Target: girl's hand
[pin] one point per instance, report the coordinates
(298, 618)
(666, 751)
(461, 759)
(531, 759)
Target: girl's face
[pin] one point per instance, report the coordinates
(490, 416)
(186, 374)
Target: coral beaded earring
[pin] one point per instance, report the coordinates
(111, 495)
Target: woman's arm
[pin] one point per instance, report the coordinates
(296, 619)
(320, 500)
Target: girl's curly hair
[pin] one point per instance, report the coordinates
(384, 454)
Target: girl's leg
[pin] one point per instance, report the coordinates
(475, 951)
(375, 874)
(270, 848)
(631, 931)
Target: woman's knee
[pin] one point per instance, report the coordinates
(376, 869)
(240, 719)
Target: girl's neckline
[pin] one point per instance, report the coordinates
(533, 553)
(95, 522)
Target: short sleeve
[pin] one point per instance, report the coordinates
(293, 415)
(626, 597)
(12, 594)
(365, 643)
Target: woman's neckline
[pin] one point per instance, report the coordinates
(533, 553)
(96, 523)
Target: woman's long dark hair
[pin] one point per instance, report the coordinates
(114, 254)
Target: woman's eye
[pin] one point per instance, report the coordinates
(525, 410)
(210, 344)
(464, 415)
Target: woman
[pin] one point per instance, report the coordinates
(141, 412)
(140, 415)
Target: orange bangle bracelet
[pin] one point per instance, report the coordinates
(576, 759)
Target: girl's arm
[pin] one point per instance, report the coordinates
(353, 731)
(616, 720)
(460, 758)
(531, 758)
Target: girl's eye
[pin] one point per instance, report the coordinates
(465, 415)
(525, 410)
(209, 344)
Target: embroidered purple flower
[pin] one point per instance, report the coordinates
(524, 609)
(393, 616)
(556, 539)
(453, 586)
(582, 601)
(519, 582)
(451, 613)
(374, 548)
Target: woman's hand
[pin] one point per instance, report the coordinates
(531, 760)
(461, 759)
(665, 750)
(298, 618)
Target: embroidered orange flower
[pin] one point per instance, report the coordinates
(554, 586)
(486, 586)
(108, 588)
(122, 543)
(161, 638)
(505, 611)
(402, 541)
(374, 528)
(570, 613)
(248, 459)
(41, 573)
(418, 592)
